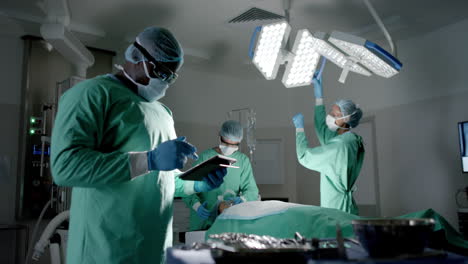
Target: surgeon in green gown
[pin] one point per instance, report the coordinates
(239, 184)
(339, 157)
(116, 145)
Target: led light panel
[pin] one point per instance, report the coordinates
(301, 68)
(268, 54)
(334, 55)
(367, 53)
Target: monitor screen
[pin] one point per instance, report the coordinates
(463, 139)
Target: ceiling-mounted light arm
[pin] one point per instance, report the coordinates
(350, 62)
(382, 27)
(57, 11)
(286, 56)
(56, 32)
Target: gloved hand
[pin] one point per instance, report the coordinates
(202, 212)
(298, 121)
(318, 90)
(236, 200)
(212, 181)
(171, 155)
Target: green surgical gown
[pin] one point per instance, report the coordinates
(113, 218)
(240, 181)
(339, 160)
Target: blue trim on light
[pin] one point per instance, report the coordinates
(318, 73)
(383, 54)
(252, 41)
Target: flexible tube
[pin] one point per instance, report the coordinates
(48, 232)
(33, 237)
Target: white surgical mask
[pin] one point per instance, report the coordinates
(154, 90)
(331, 123)
(227, 150)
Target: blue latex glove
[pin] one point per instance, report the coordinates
(298, 121)
(318, 90)
(236, 200)
(202, 212)
(171, 155)
(212, 181)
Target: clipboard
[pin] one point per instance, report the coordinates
(200, 171)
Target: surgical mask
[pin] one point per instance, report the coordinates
(227, 150)
(154, 90)
(331, 123)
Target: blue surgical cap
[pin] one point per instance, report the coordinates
(160, 44)
(232, 130)
(349, 108)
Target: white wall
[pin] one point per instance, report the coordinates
(419, 164)
(416, 115)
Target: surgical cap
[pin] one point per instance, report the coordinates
(232, 130)
(349, 108)
(160, 44)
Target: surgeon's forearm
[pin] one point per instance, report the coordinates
(250, 191)
(319, 101)
(301, 145)
(183, 188)
(192, 201)
(82, 167)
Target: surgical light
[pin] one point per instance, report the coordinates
(301, 68)
(351, 53)
(305, 55)
(334, 55)
(369, 54)
(268, 54)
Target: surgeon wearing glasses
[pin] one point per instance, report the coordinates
(116, 145)
(239, 184)
(339, 157)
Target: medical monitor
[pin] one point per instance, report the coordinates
(463, 139)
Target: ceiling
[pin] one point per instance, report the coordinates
(213, 44)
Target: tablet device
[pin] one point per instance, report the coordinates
(198, 172)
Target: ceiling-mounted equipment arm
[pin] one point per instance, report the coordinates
(382, 27)
(55, 31)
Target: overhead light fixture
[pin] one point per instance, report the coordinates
(305, 56)
(268, 54)
(301, 67)
(349, 52)
(369, 54)
(334, 55)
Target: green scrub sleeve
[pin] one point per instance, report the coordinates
(248, 186)
(327, 159)
(76, 158)
(323, 133)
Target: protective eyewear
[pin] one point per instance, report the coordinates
(159, 70)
